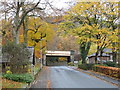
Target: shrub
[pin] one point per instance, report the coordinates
(17, 56)
(86, 66)
(71, 64)
(8, 72)
(110, 63)
(26, 78)
(82, 66)
(117, 65)
(111, 71)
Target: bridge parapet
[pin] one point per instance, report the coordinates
(68, 54)
(58, 53)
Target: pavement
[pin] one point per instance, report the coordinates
(67, 77)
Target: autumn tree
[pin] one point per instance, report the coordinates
(87, 20)
(39, 32)
(112, 21)
(74, 21)
(19, 10)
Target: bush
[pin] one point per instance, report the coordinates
(111, 71)
(71, 64)
(86, 66)
(26, 78)
(17, 57)
(8, 72)
(110, 63)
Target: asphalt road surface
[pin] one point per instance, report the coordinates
(66, 77)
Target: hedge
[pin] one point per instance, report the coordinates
(110, 63)
(71, 64)
(111, 71)
(26, 78)
(86, 66)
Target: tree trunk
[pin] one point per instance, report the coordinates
(25, 37)
(34, 57)
(25, 26)
(16, 37)
(114, 56)
(84, 49)
(83, 59)
(101, 52)
(96, 56)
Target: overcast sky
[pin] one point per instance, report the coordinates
(61, 3)
(58, 4)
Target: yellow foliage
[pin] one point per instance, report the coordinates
(8, 72)
(37, 29)
(62, 58)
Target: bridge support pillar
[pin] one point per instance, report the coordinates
(44, 59)
(71, 58)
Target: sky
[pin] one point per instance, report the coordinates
(58, 4)
(61, 3)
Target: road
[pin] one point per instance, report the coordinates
(66, 77)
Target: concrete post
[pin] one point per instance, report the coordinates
(44, 60)
(72, 56)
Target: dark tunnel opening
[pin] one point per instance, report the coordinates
(57, 60)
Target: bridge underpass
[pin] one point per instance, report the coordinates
(53, 57)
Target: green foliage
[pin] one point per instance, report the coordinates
(17, 56)
(80, 62)
(86, 66)
(27, 78)
(110, 63)
(8, 72)
(71, 64)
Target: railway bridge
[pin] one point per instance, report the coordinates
(68, 54)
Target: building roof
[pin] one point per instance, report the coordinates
(104, 54)
(107, 50)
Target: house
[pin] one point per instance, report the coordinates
(106, 56)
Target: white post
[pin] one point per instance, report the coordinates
(44, 59)
(111, 58)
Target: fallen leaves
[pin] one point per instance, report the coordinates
(111, 71)
(11, 84)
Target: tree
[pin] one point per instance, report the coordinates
(67, 43)
(6, 31)
(39, 32)
(112, 21)
(20, 11)
(74, 21)
(88, 21)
